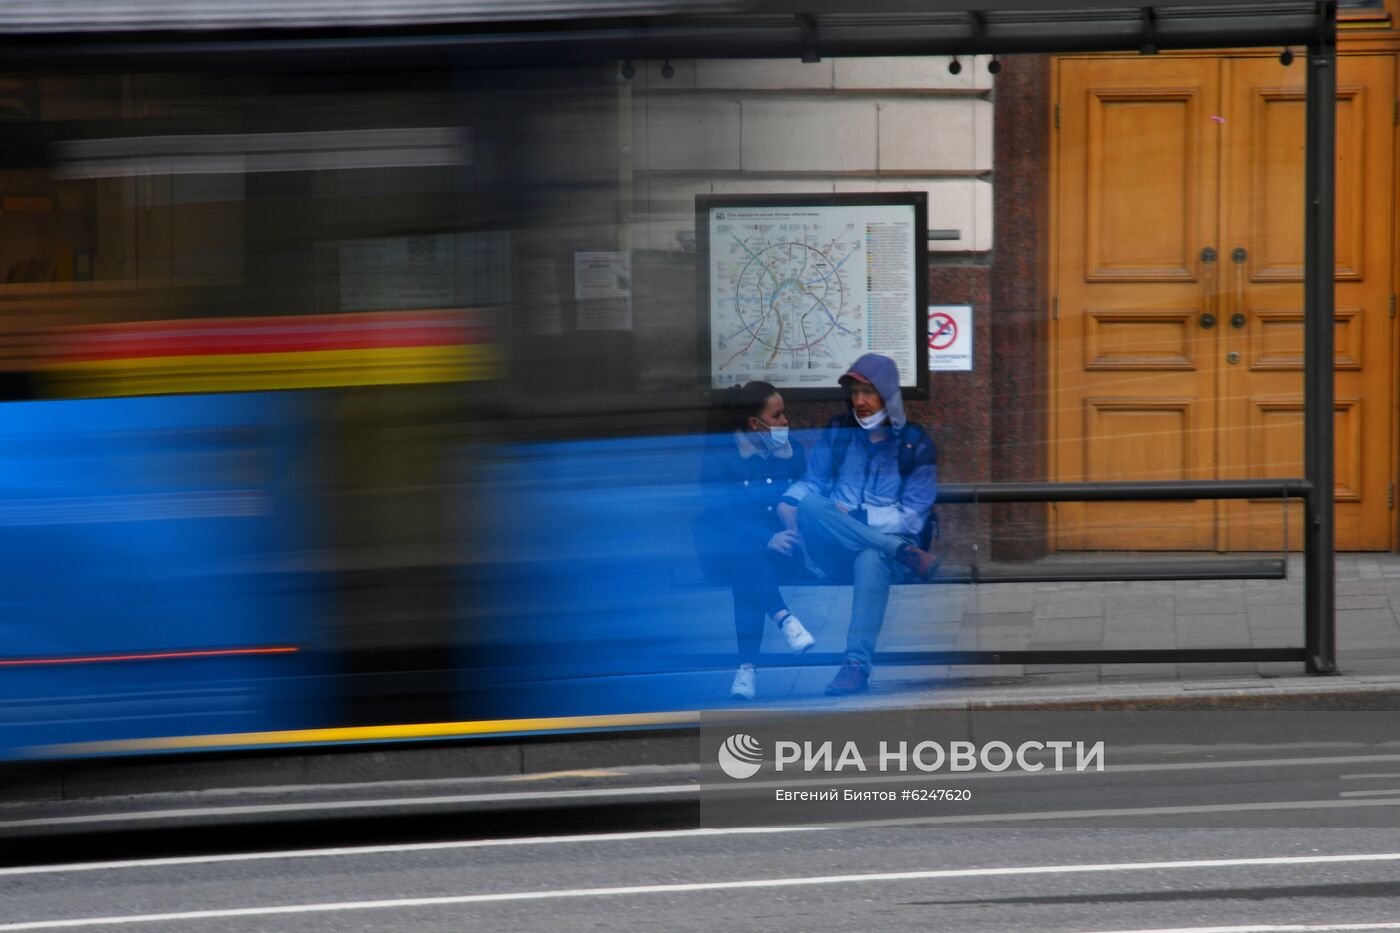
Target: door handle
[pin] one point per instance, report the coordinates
(1239, 256)
(1212, 285)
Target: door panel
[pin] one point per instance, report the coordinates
(1262, 242)
(1135, 233)
(1138, 338)
(1159, 160)
(1274, 174)
(1135, 370)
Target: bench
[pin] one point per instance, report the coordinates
(619, 513)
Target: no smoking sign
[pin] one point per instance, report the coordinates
(942, 331)
(950, 338)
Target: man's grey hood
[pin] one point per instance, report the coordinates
(883, 374)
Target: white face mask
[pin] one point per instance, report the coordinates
(776, 436)
(874, 421)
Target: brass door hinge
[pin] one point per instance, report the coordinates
(1392, 304)
(1057, 116)
(1390, 496)
(1055, 308)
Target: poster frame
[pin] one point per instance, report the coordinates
(919, 386)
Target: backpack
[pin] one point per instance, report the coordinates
(915, 448)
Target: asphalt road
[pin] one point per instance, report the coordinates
(891, 878)
(623, 855)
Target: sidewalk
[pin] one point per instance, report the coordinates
(1065, 616)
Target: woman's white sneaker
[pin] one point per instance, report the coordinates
(744, 679)
(798, 638)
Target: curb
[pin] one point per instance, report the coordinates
(35, 782)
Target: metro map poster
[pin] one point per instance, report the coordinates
(798, 288)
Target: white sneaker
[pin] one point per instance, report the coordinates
(798, 638)
(743, 683)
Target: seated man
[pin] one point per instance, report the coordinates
(862, 505)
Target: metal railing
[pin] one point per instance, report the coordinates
(1318, 627)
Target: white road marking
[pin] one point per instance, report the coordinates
(350, 851)
(1364, 777)
(344, 787)
(1001, 817)
(876, 777)
(1042, 815)
(662, 790)
(748, 884)
(1271, 928)
(1369, 793)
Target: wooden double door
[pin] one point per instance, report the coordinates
(1178, 280)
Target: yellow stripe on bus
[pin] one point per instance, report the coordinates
(429, 730)
(248, 372)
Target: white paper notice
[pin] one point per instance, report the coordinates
(950, 338)
(603, 290)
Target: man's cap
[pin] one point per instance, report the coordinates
(854, 375)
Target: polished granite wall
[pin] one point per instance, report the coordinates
(991, 423)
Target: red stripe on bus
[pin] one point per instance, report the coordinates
(147, 656)
(270, 335)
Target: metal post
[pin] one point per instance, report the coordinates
(1319, 277)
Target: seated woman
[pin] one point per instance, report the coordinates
(747, 466)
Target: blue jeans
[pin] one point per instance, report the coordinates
(845, 549)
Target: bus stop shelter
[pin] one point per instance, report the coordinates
(370, 35)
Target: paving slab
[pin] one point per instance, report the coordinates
(1068, 605)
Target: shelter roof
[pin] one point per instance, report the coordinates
(525, 32)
